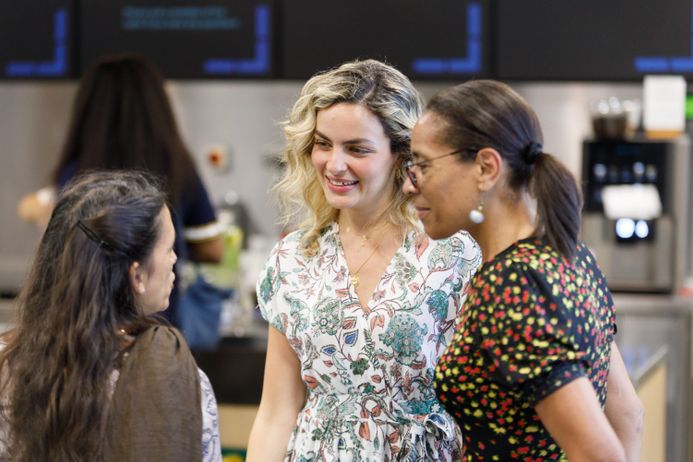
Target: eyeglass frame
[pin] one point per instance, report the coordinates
(409, 164)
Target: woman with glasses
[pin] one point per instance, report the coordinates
(527, 371)
(360, 302)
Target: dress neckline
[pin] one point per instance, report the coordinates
(350, 287)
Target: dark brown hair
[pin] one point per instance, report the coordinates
(58, 362)
(487, 113)
(122, 119)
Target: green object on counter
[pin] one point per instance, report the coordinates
(225, 274)
(689, 107)
(232, 455)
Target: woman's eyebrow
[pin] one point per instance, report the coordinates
(321, 135)
(350, 141)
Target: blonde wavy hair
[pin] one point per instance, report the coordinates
(390, 96)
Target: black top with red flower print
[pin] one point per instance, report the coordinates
(532, 322)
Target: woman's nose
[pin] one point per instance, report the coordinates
(337, 161)
(407, 187)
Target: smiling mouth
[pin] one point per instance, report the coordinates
(336, 182)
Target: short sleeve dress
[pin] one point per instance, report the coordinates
(532, 323)
(369, 370)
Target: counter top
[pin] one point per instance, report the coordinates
(643, 370)
(653, 304)
(654, 335)
(235, 369)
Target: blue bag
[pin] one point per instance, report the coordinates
(199, 311)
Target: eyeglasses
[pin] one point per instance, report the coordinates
(409, 165)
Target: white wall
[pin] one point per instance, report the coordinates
(564, 113)
(243, 117)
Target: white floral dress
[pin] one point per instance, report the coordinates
(369, 370)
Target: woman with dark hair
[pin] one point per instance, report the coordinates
(527, 371)
(122, 119)
(87, 374)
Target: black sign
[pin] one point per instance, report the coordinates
(184, 39)
(593, 39)
(454, 40)
(36, 39)
(435, 39)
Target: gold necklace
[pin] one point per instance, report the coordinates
(354, 277)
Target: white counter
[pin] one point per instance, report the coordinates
(649, 325)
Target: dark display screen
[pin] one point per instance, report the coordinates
(452, 40)
(36, 39)
(592, 39)
(435, 39)
(185, 39)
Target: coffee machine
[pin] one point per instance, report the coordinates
(636, 253)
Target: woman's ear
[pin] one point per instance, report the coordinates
(137, 278)
(489, 162)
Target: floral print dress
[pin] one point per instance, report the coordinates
(369, 370)
(532, 323)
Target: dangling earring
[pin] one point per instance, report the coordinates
(477, 215)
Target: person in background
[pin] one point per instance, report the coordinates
(122, 119)
(527, 372)
(87, 374)
(360, 302)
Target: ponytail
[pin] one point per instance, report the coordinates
(559, 204)
(488, 113)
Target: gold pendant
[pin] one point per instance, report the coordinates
(354, 280)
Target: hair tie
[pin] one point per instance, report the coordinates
(531, 152)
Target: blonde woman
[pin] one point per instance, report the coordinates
(360, 302)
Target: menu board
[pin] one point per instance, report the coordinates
(451, 40)
(592, 39)
(184, 39)
(434, 39)
(36, 39)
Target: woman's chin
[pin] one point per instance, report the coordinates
(436, 232)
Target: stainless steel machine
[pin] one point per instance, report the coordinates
(638, 254)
